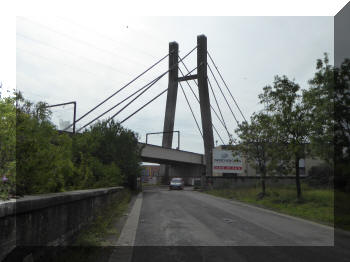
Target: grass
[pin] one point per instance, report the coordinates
(316, 204)
(342, 210)
(97, 232)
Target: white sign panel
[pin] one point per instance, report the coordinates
(225, 162)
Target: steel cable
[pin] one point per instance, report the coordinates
(217, 69)
(223, 94)
(147, 102)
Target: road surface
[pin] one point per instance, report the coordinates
(192, 226)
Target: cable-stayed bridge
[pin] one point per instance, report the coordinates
(206, 77)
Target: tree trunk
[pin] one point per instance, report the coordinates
(297, 177)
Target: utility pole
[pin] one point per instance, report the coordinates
(205, 103)
(170, 109)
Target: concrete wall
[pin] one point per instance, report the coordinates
(50, 219)
(248, 181)
(249, 170)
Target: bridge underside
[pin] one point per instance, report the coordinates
(163, 155)
(180, 163)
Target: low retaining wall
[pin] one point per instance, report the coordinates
(249, 181)
(50, 219)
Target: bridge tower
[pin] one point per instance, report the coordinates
(170, 107)
(203, 97)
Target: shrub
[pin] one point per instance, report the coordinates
(36, 158)
(321, 175)
(7, 147)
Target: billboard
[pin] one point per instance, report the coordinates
(225, 162)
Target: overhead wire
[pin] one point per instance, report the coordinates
(89, 29)
(50, 59)
(71, 53)
(79, 40)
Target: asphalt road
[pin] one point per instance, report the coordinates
(191, 218)
(192, 226)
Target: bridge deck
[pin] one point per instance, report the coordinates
(162, 155)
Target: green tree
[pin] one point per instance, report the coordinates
(255, 143)
(319, 102)
(328, 102)
(36, 158)
(112, 145)
(7, 146)
(43, 156)
(284, 104)
(342, 125)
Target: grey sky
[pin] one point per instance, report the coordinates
(60, 60)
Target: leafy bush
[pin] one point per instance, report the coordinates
(7, 147)
(321, 175)
(43, 156)
(115, 147)
(35, 158)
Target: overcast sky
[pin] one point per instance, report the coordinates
(86, 60)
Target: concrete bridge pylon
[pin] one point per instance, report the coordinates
(204, 99)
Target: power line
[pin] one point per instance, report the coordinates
(80, 41)
(106, 37)
(56, 61)
(217, 69)
(71, 53)
(46, 58)
(188, 103)
(223, 94)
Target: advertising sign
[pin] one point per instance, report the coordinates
(225, 162)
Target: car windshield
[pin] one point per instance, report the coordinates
(176, 180)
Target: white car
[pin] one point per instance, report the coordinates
(176, 183)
